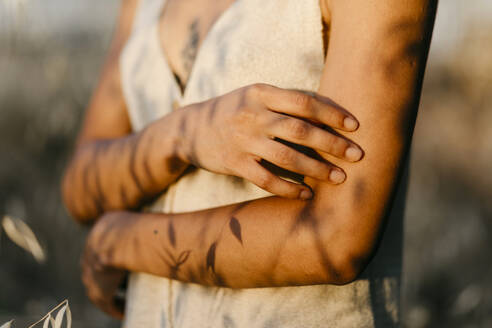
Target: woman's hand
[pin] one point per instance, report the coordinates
(231, 134)
(100, 278)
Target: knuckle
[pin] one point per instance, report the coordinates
(264, 181)
(257, 89)
(93, 294)
(284, 156)
(302, 100)
(333, 117)
(337, 145)
(340, 145)
(298, 129)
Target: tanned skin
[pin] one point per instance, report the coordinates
(369, 93)
(113, 169)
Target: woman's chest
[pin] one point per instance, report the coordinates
(183, 26)
(277, 42)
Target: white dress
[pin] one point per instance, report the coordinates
(278, 42)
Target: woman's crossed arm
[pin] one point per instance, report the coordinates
(374, 68)
(115, 169)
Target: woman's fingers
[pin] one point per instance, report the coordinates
(306, 134)
(297, 103)
(292, 160)
(108, 307)
(98, 297)
(268, 181)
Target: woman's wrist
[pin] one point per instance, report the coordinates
(183, 128)
(163, 148)
(181, 139)
(114, 237)
(135, 242)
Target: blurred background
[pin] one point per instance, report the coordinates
(51, 52)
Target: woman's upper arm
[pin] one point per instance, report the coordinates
(374, 68)
(106, 116)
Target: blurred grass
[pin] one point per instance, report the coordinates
(448, 267)
(45, 83)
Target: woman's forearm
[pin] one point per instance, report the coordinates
(240, 246)
(123, 173)
(265, 242)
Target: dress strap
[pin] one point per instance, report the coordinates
(148, 12)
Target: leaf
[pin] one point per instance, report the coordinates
(20, 233)
(7, 324)
(69, 317)
(59, 316)
(48, 319)
(171, 233)
(236, 229)
(183, 257)
(46, 323)
(211, 256)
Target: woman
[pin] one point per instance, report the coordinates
(232, 145)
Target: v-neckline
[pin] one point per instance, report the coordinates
(162, 54)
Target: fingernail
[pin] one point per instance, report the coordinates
(337, 176)
(306, 194)
(350, 124)
(353, 153)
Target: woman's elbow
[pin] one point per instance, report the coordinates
(348, 267)
(349, 255)
(333, 264)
